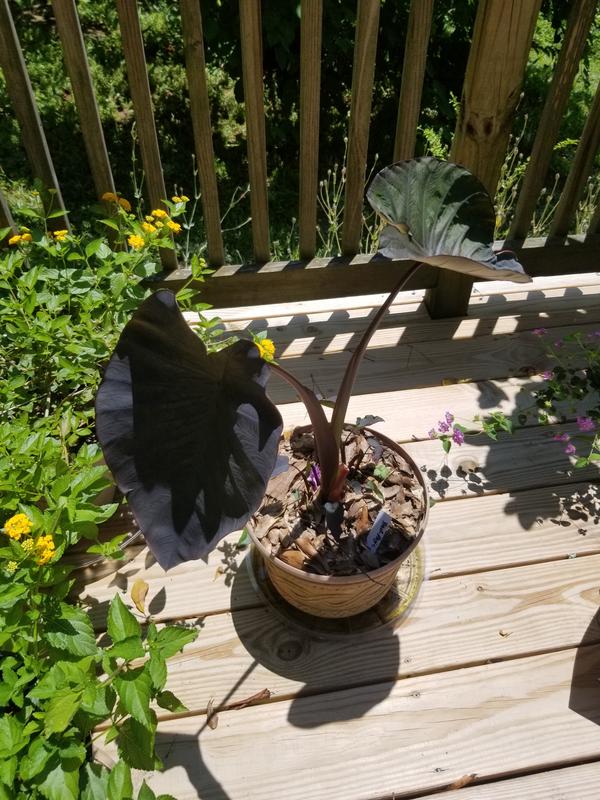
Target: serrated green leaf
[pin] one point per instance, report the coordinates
(60, 710)
(127, 648)
(72, 632)
(60, 784)
(8, 770)
(146, 792)
(36, 758)
(111, 734)
(12, 736)
(157, 669)
(134, 690)
(170, 702)
(95, 782)
(172, 639)
(120, 786)
(121, 622)
(136, 744)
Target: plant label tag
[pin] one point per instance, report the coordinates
(377, 532)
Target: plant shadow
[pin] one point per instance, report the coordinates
(584, 697)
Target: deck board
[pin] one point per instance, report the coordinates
(491, 680)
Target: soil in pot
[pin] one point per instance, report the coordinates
(293, 525)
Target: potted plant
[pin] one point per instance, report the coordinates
(193, 439)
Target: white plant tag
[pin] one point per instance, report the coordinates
(377, 532)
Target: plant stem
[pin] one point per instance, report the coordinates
(343, 398)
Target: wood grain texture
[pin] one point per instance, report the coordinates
(76, 62)
(430, 363)
(23, 101)
(193, 43)
(252, 71)
(571, 783)
(6, 220)
(135, 60)
(413, 75)
(578, 26)
(472, 620)
(579, 172)
(294, 281)
(311, 23)
(499, 49)
(416, 735)
(363, 71)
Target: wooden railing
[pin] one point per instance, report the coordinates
(501, 42)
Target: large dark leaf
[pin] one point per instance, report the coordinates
(440, 214)
(190, 437)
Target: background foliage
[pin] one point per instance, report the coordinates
(447, 57)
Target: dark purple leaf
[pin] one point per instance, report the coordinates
(190, 437)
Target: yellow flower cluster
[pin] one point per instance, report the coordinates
(17, 526)
(60, 236)
(174, 226)
(182, 199)
(149, 227)
(28, 546)
(11, 567)
(20, 237)
(135, 241)
(159, 213)
(266, 349)
(111, 197)
(45, 549)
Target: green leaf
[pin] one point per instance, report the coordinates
(146, 792)
(382, 471)
(134, 689)
(8, 770)
(172, 639)
(446, 444)
(72, 631)
(120, 786)
(95, 782)
(121, 622)
(136, 744)
(12, 736)
(60, 784)
(170, 702)
(60, 710)
(127, 648)
(35, 759)
(157, 669)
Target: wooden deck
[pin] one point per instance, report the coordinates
(492, 681)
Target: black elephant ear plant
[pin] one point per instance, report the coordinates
(193, 440)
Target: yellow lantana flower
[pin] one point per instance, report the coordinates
(266, 349)
(125, 204)
(158, 224)
(60, 236)
(175, 226)
(109, 197)
(176, 199)
(45, 549)
(135, 241)
(159, 213)
(26, 237)
(27, 546)
(11, 567)
(148, 227)
(149, 219)
(17, 526)
(15, 239)
(184, 199)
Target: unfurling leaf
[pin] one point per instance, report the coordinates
(438, 213)
(190, 436)
(139, 590)
(121, 622)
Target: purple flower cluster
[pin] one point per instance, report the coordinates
(314, 477)
(445, 427)
(586, 424)
(570, 449)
